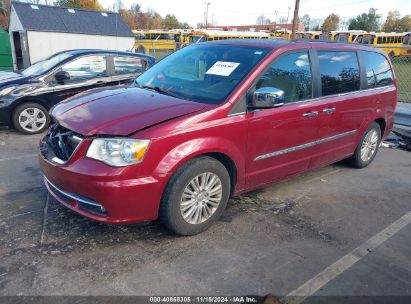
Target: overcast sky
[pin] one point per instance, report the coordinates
(241, 12)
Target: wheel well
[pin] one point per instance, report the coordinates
(382, 124)
(228, 164)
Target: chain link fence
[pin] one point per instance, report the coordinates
(402, 70)
(401, 63)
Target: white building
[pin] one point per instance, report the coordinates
(38, 31)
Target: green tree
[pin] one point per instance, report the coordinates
(306, 21)
(366, 22)
(170, 22)
(83, 4)
(331, 23)
(394, 22)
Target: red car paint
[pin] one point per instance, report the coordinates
(180, 130)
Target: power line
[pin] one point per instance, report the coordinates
(301, 10)
(334, 6)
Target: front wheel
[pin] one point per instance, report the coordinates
(195, 196)
(31, 118)
(367, 148)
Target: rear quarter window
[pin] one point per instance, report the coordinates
(340, 72)
(377, 69)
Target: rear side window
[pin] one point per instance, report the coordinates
(292, 74)
(340, 72)
(377, 69)
(128, 65)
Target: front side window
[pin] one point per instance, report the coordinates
(406, 40)
(43, 66)
(202, 73)
(377, 69)
(292, 74)
(86, 67)
(128, 65)
(340, 72)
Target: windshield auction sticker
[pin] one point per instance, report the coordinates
(222, 68)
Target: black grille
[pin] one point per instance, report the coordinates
(60, 142)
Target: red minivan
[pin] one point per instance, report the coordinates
(214, 120)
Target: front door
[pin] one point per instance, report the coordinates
(280, 140)
(86, 72)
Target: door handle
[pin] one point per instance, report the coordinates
(329, 110)
(310, 114)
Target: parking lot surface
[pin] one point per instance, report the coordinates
(273, 240)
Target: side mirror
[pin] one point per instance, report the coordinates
(61, 76)
(266, 98)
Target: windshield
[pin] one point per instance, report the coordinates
(203, 73)
(40, 67)
(196, 39)
(406, 40)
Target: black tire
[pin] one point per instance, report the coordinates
(170, 214)
(25, 106)
(356, 160)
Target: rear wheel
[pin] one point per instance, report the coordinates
(195, 196)
(31, 118)
(367, 148)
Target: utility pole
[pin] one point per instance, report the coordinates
(206, 18)
(295, 20)
(288, 15)
(275, 20)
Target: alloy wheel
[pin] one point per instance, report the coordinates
(369, 145)
(32, 119)
(201, 198)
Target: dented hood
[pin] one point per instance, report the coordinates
(119, 111)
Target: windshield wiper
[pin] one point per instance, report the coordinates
(160, 90)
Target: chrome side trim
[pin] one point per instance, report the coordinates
(73, 196)
(303, 146)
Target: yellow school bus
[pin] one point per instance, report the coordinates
(147, 41)
(283, 34)
(406, 45)
(299, 35)
(388, 42)
(347, 36)
(328, 36)
(209, 35)
(311, 35)
(182, 35)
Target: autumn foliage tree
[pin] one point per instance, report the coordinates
(331, 23)
(394, 22)
(93, 5)
(4, 13)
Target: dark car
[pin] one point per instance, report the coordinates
(26, 96)
(213, 120)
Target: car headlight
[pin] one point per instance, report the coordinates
(4, 92)
(118, 152)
